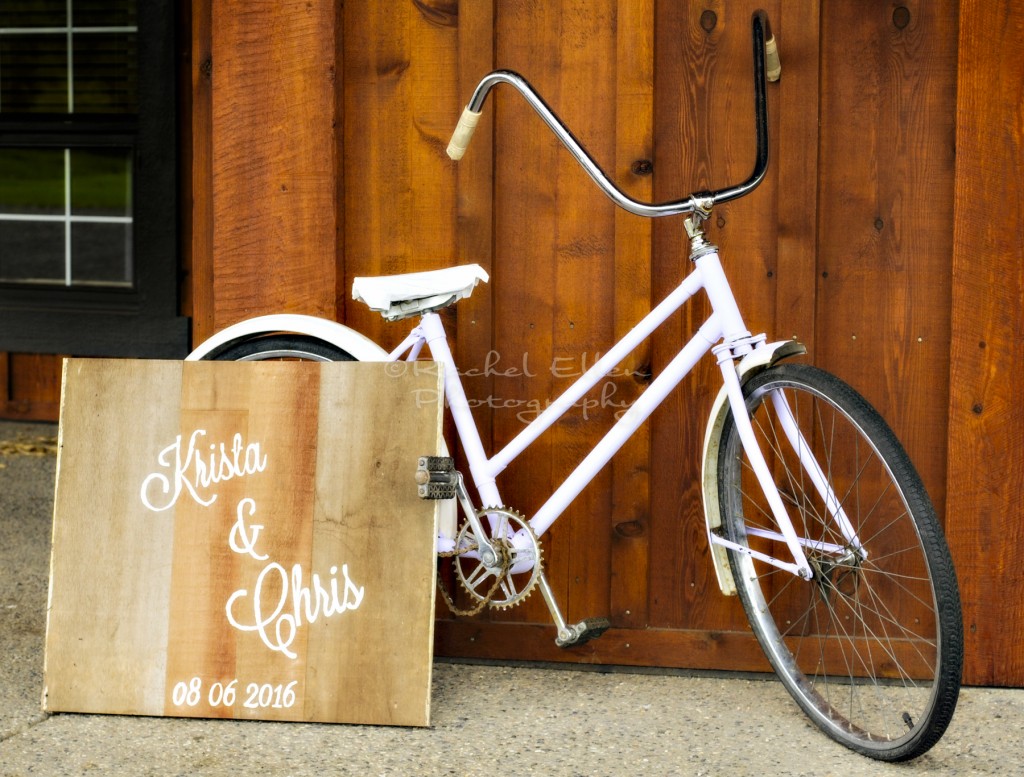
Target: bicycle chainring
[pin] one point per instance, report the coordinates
(510, 576)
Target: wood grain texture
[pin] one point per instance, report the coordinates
(104, 557)
(849, 236)
(400, 94)
(258, 538)
(794, 273)
(30, 386)
(986, 425)
(704, 138)
(629, 583)
(554, 280)
(885, 245)
(274, 160)
(384, 522)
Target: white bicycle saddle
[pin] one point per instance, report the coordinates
(401, 296)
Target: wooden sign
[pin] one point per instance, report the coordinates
(243, 540)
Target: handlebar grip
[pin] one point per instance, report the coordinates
(772, 65)
(463, 133)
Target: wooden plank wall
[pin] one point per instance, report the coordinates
(318, 155)
(29, 386)
(986, 427)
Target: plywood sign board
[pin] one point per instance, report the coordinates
(243, 540)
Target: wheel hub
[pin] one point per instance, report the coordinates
(840, 574)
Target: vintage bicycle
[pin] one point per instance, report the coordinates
(816, 517)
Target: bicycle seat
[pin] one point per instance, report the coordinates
(401, 296)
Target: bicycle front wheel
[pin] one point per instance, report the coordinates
(871, 648)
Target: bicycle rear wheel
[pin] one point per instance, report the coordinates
(282, 347)
(872, 647)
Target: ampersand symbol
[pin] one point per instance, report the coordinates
(240, 539)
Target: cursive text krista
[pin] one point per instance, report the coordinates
(196, 466)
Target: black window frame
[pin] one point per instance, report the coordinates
(143, 321)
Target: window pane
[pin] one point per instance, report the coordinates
(31, 252)
(32, 180)
(101, 254)
(33, 13)
(104, 13)
(101, 182)
(33, 74)
(104, 73)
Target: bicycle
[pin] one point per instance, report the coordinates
(815, 515)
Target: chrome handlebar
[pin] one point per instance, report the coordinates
(764, 46)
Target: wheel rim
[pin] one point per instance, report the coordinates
(859, 646)
(283, 347)
(285, 354)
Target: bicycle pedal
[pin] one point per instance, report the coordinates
(437, 464)
(583, 632)
(436, 477)
(437, 491)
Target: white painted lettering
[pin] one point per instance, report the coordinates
(183, 468)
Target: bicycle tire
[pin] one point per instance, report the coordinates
(871, 649)
(281, 347)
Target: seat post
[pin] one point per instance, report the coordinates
(436, 339)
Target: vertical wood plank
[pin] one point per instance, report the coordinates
(475, 216)
(986, 443)
(528, 39)
(254, 401)
(274, 166)
(584, 255)
(554, 279)
(385, 520)
(117, 560)
(704, 138)
(886, 167)
(794, 154)
(634, 166)
(401, 92)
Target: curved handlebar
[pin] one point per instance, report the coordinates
(763, 40)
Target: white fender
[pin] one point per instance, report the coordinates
(359, 346)
(754, 362)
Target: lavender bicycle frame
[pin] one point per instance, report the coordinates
(724, 324)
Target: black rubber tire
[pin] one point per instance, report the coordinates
(281, 346)
(871, 649)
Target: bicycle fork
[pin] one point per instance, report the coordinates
(736, 344)
(809, 464)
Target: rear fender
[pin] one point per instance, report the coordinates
(360, 347)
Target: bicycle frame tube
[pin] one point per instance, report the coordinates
(725, 322)
(485, 469)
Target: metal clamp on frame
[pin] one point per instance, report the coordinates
(739, 348)
(701, 205)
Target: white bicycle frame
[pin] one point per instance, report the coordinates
(725, 324)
